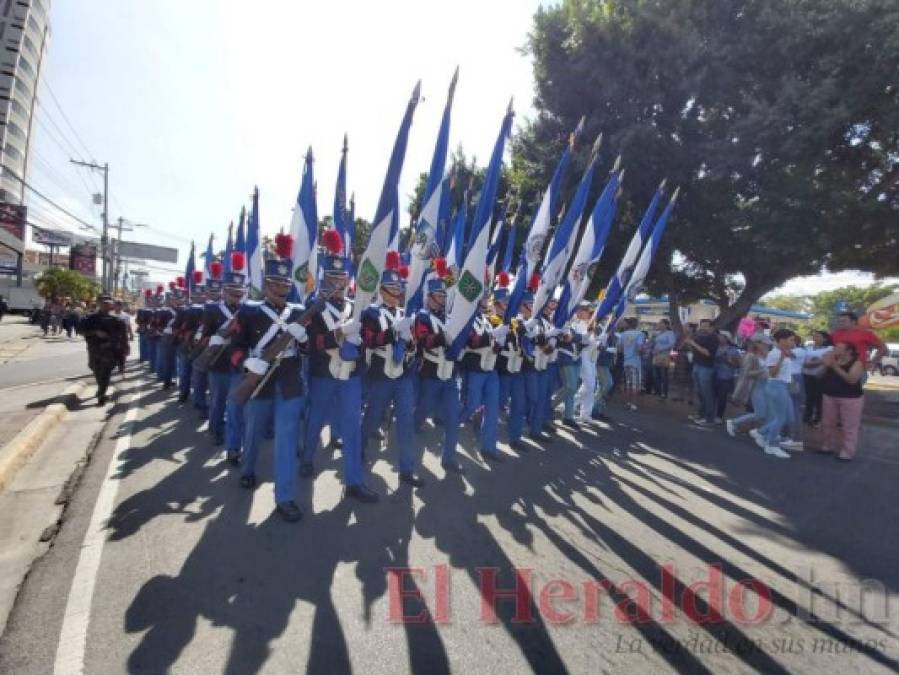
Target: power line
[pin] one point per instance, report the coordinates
(48, 200)
(64, 116)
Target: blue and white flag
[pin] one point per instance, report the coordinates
(539, 229)
(371, 264)
(635, 283)
(351, 231)
(455, 252)
(509, 249)
(304, 230)
(421, 247)
(189, 271)
(495, 241)
(618, 283)
(255, 262)
(340, 211)
(240, 240)
(229, 246)
(208, 257)
(596, 233)
(469, 287)
(562, 244)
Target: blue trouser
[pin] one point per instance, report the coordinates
(440, 396)
(704, 380)
(515, 386)
(142, 347)
(505, 390)
(219, 384)
(780, 410)
(380, 392)
(537, 414)
(340, 401)
(234, 422)
(552, 383)
(166, 362)
(524, 388)
(286, 412)
(185, 368)
(759, 405)
(152, 344)
(604, 385)
(569, 372)
(199, 382)
(483, 389)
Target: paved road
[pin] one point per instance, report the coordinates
(164, 564)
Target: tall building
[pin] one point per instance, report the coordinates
(24, 33)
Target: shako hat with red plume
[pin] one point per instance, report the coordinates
(236, 279)
(391, 277)
(280, 266)
(198, 285)
(501, 288)
(437, 278)
(533, 285)
(214, 283)
(333, 258)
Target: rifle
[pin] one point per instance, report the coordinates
(251, 384)
(212, 353)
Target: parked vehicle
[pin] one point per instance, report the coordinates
(890, 363)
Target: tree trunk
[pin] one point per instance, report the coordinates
(730, 315)
(674, 314)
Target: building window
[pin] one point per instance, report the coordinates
(27, 67)
(14, 130)
(39, 9)
(19, 108)
(33, 24)
(22, 87)
(29, 45)
(10, 151)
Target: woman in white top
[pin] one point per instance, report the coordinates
(797, 391)
(812, 372)
(777, 392)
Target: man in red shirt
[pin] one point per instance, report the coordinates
(863, 340)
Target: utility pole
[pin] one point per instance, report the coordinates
(104, 239)
(117, 251)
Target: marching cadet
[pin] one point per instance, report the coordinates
(509, 362)
(142, 318)
(218, 320)
(281, 397)
(571, 340)
(199, 380)
(105, 335)
(390, 355)
(545, 356)
(152, 329)
(482, 381)
(165, 320)
(186, 325)
(531, 338)
(335, 372)
(438, 389)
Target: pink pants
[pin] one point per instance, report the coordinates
(848, 413)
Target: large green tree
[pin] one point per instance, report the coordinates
(779, 119)
(57, 282)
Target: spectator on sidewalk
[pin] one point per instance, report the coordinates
(863, 341)
(727, 360)
(843, 400)
(797, 389)
(662, 344)
(630, 343)
(605, 360)
(777, 396)
(703, 346)
(683, 369)
(751, 384)
(812, 372)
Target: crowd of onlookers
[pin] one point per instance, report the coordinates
(64, 315)
(770, 383)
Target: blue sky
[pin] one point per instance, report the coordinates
(194, 102)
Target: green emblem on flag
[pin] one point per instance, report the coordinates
(300, 273)
(368, 276)
(470, 287)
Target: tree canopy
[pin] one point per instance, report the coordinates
(779, 119)
(823, 306)
(58, 282)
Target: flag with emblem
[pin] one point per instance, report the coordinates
(208, 257)
(455, 246)
(619, 282)
(533, 246)
(562, 244)
(371, 262)
(421, 248)
(304, 230)
(255, 262)
(589, 251)
(469, 288)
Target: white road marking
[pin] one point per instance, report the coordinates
(73, 635)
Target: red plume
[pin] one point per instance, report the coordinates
(440, 267)
(502, 279)
(198, 276)
(159, 289)
(173, 285)
(393, 260)
(333, 242)
(534, 282)
(238, 260)
(215, 269)
(283, 245)
(403, 271)
(148, 293)
(180, 282)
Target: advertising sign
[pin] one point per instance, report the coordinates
(83, 258)
(134, 249)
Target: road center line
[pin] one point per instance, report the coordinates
(73, 635)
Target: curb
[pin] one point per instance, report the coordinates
(14, 454)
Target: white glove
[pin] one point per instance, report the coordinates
(255, 366)
(216, 341)
(501, 340)
(297, 331)
(350, 329)
(499, 333)
(552, 332)
(530, 325)
(403, 325)
(355, 339)
(552, 343)
(167, 331)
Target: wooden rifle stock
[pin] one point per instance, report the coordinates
(250, 383)
(212, 353)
